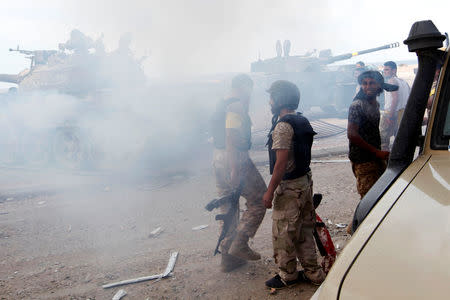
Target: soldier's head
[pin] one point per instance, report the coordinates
(389, 69)
(360, 64)
(242, 86)
(283, 95)
(372, 84)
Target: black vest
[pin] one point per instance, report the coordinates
(302, 142)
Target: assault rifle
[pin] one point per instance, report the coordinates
(227, 218)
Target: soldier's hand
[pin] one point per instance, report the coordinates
(267, 199)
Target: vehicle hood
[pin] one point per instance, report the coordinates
(408, 256)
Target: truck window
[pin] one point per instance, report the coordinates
(441, 125)
(447, 122)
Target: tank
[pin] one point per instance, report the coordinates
(89, 76)
(324, 89)
(79, 67)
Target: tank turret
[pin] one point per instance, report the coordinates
(329, 87)
(308, 62)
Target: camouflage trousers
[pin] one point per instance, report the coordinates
(367, 174)
(292, 229)
(389, 130)
(253, 190)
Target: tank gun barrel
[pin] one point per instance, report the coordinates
(26, 52)
(34, 52)
(350, 55)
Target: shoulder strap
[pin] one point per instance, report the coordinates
(296, 120)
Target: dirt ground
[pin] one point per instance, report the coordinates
(65, 243)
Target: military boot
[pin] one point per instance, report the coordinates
(230, 262)
(240, 248)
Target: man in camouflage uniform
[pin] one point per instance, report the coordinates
(233, 168)
(368, 161)
(291, 189)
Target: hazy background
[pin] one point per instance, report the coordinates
(190, 46)
(200, 36)
(140, 146)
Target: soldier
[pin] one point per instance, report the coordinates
(360, 65)
(291, 189)
(368, 161)
(233, 168)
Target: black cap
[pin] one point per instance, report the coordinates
(379, 78)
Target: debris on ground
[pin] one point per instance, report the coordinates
(119, 295)
(41, 203)
(200, 227)
(170, 265)
(273, 291)
(155, 232)
(329, 222)
(167, 273)
(341, 225)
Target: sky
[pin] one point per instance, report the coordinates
(182, 38)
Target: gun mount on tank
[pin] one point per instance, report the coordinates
(331, 88)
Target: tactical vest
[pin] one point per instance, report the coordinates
(302, 143)
(217, 125)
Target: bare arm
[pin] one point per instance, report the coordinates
(391, 113)
(355, 138)
(279, 170)
(232, 142)
(277, 176)
(394, 104)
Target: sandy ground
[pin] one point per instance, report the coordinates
(66, 243)
(62, 236)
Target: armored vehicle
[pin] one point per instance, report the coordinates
(400, 248)
(331, 88)
(80, 67)
(79, 80)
